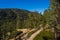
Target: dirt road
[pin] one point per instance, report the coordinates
(35, 34)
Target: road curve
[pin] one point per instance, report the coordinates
(35, 34)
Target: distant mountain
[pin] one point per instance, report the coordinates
(12, 13)
(11, 19)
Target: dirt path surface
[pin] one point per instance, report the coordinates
(35, 34)
(32, 36)
(25, 36)
(25, 33)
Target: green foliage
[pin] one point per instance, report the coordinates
(55, 6)
(44, 35)
(11, 19)
(48, 16)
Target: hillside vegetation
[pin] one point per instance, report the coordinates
(12, 19)
(18, 18)
(44, 35)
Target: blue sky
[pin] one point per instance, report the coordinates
(32, 5)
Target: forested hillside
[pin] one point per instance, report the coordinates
(17, 18)
(12, 19)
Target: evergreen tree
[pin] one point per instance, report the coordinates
(55, 6)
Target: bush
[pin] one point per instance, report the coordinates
(44, 35)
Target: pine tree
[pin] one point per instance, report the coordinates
(55, 6)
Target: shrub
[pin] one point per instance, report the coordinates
(44, 35)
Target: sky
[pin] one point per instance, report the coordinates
(31, 5)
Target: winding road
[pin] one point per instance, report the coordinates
(32, 36)
(35, 34)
